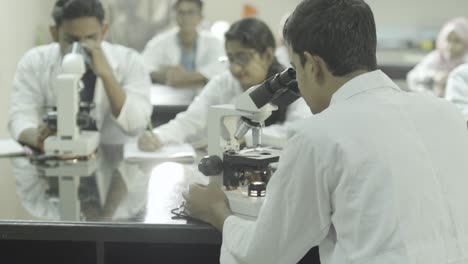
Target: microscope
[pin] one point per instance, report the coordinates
(245, 173)
(70, 117)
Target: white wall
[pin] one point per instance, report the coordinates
(270, 11)
(21, 20)
(402, 14)
(416, 13)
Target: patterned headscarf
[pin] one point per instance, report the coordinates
(460, 27)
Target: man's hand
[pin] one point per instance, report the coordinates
(149, 141)
(176, 76)
(440, 80)
(159, 76)
(35, 137)
(99, 63)
(102, 69)
(207, 203)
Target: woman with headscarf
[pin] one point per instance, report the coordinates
(431, 74)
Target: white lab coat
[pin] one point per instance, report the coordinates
(164, 50)
(34, 91)
(191, 126)
(457, 89)
(378, 177)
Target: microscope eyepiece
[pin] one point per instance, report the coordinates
(281, 80)
(279, 89)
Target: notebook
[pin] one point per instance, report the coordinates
(10, 148)
(183, 153)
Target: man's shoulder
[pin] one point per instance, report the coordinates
(118, 49)
(120, 54)
(315, 128)
(42, 54)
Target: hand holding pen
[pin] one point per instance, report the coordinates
(149, 141)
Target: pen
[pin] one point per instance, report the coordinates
(150, 128)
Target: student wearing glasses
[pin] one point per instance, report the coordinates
(186, 56)
(250, 48)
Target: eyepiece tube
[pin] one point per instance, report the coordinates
(272, 88)
(76, 48)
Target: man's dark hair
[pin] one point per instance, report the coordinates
(251, 33)
(71, 9)
(197, 2)
(341, 32)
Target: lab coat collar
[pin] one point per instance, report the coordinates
(363, 83)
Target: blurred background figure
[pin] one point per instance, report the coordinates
(135, 22)
(430, 75)
(457, 89)
(282, 51)
(185, 56)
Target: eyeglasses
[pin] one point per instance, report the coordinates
(179, 212)
(188, 13)
(240, 58)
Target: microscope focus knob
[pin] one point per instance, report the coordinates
(211, 165)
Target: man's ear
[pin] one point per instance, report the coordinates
(54, 33)
(310, 63)
(316, 65)
(104, 30)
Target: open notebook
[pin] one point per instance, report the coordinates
(10, 148)
(183, 153)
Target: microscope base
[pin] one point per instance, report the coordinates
(85, 145)
(244, 206)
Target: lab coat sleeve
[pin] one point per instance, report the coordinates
(295, 216)
(277, 135)
(457, 89)
(420, 79)
(193, 121)
(212, 65)
(27, 100)
(153, 54)
(137, 109)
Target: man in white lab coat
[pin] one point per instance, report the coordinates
(185, 56)
(116, 80)
(377, 175)
(457, 89)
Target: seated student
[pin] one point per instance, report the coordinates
(250, 47)
(376, 176)
(430, 75)
(116, 80)
(457, 89)
(185, 56)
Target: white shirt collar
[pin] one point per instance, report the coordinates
(362, 83)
